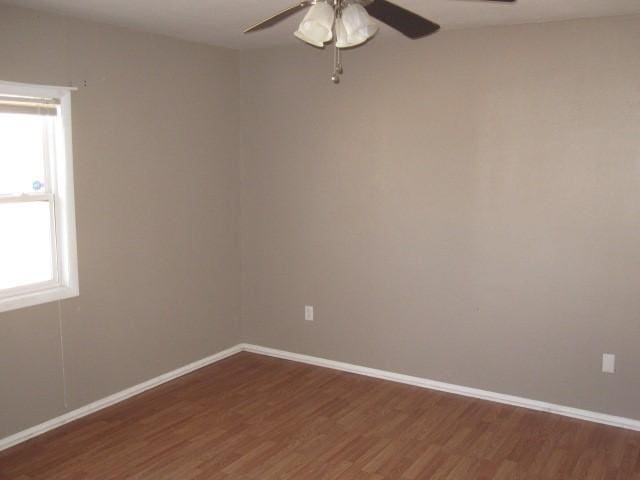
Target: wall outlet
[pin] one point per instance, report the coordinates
(308, 313)
(608, 363)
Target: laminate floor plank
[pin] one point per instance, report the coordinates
(252, 417)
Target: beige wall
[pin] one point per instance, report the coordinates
(157, 182)
(463, 208)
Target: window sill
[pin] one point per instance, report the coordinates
(37, 297)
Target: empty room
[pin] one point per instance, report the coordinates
(332, 239)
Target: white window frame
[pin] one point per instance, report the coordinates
(61, 195)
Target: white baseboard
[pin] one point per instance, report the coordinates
(25, 435)
(621, 422)
(587, 415)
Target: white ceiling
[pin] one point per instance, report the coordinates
(220, 22)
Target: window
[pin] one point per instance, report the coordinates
(38, 259)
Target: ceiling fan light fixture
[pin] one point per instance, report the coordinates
(350, 22)
(354, 27)
(316, 27)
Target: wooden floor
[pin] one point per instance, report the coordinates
(255, 417)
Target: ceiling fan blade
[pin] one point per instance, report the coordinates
(406, 22)
(279, 16)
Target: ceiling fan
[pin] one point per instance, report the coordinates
(348, 23)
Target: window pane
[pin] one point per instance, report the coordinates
(21, 153)
(25, 244)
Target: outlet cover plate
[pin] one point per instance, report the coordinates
(308, 313)
(608, 363)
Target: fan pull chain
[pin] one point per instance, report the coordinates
(337, 54)
(337, 65)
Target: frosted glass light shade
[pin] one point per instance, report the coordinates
(316, 27)
(355, 27)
